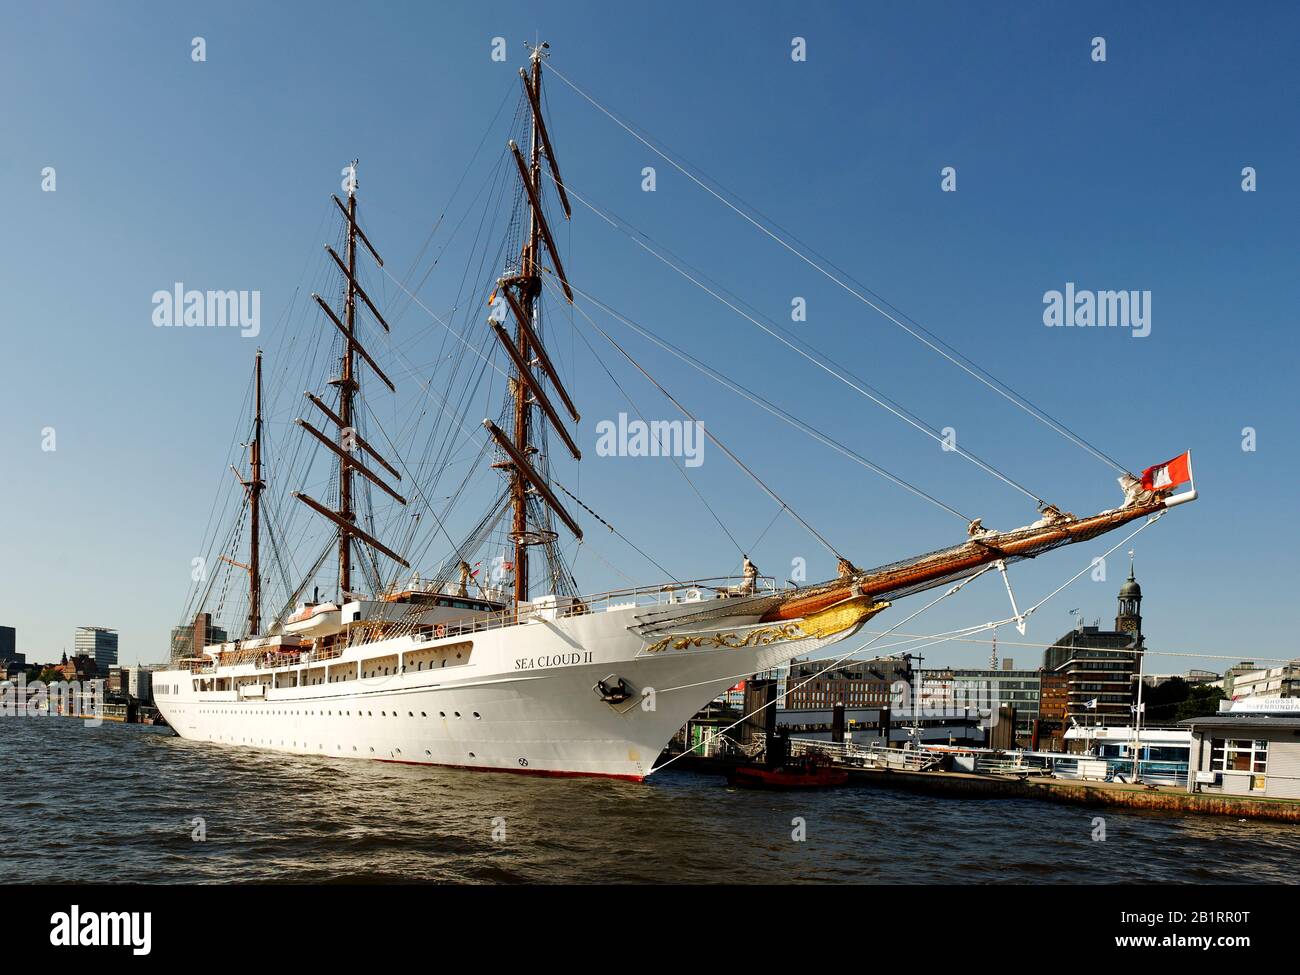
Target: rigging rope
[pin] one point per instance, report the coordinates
(718, 443)
(629, 541)
(979, 373)
(853, 382)
(957, 634)
(761, 402)
(833, 664)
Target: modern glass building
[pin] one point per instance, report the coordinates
(989, 688)
(100, 644)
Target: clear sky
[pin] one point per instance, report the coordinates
(1117, 174)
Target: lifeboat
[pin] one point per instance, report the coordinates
(315, 619)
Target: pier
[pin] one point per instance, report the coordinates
(1006, 776)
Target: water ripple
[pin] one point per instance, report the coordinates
(124, 804)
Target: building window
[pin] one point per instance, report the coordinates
(1239, 755)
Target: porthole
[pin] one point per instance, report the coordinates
(458, 714)
(477, 715)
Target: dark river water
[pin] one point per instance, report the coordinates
(117, 803)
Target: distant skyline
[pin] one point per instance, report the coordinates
(965, 164)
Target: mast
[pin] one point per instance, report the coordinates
(525, 348)
(347, 390)
(529, 293)
(255, 485)
(349, 442)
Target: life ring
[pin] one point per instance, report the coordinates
(440, 631)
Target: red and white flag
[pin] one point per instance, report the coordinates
(1169, 474)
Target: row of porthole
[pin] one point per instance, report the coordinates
(341, 714)
(395, 751)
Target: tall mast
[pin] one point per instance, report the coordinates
(347, 390)
(525, 347)
(349, 444)
(529, 292)
(255, 486)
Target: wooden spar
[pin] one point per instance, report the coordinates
(527, 471)
(361, 441)
(543, 359)
(354, 343)
(350, 461)
(539, 218)
(349, 529)
(360, 233)
(546, 142)
(972, 555)
(538, 394)
(351, 276)
(345, 517)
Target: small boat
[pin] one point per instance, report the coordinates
(804, 772)
(317, 619)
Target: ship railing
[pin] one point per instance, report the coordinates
(665, 593)
(804, 746)
(1010, 764)
(909, 759)
(275, 659)
(677, 592)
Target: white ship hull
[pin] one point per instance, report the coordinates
(523, 698)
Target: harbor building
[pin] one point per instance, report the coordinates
(188, 640)
(139, 685)
(80, 668)
(99, 643)
(1251, 749)
(1241, 683)
(865, 684)
(1100, 667)
(11, 661)
(1021, 689)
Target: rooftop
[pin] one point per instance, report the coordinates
(1244, 719)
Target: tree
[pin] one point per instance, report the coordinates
(1202, 702)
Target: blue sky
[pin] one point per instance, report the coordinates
(1117, 175)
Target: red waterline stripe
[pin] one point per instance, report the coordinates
(550, 773)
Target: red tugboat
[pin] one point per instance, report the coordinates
(805, 772)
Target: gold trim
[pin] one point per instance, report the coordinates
(833, 620)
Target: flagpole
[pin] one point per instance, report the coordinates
(1137, 717)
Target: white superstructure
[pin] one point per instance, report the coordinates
(574, 688)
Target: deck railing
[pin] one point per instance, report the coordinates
(656, 595)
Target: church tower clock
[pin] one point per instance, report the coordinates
(1129, 617)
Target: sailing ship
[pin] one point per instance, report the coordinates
(532, 676)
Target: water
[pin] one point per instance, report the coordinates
(116, 804)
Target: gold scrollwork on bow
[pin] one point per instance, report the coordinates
(828, 622)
